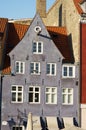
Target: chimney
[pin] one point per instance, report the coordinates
(41, 7)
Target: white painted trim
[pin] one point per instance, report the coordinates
(83, 106)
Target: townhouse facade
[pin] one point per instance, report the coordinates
(39, 76)
(41, 72)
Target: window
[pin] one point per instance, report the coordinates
(37, 47)
(67, 96)
(34, 94)
(17, 94)
(18, 127)
(51, 69)
(51, 95)
(20, 67)
(35, 68)
(37, 29)
(68, 71)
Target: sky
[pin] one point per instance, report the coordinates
(18, 9)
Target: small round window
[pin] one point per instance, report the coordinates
(37, 29)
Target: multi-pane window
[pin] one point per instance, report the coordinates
(18, 127)
(17, 94)
(67, 96)
(20, 67)
(51, 69)
(51, 95)
(68, 71)
(35, 68)
(34, 94)
(37, 47)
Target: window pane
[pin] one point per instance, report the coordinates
(36, 97)
(47, 98)
(47, 89)
(37, 89)
(53, 98)
(13, 88)
(19, 88)
(30, 97)
(70, 71)
(13, 96)
(37, 67)
(69, 90)
(21, 67)
(53, 89)
(53, 69)
(48, 68)
(17, 67)
(34, 47)
(31, 67)
(39, 47)
(30, 89)
(19, 97)
(64, 98)
(65, 71)
(70, 98)
(64, 90)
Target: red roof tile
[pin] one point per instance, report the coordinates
(3, 22)
(17, 31)
(77, 4)
(60, 38)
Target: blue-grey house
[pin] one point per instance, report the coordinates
(39, 76)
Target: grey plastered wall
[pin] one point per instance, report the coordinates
(50, 54)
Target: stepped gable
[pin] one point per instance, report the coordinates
(17, 31)
(3, 23)
(77, 4)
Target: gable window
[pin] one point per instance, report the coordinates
(51, 95)
(34, 94)
(20, 67)
(35, 68)
(68, 71)
(51, 69)
(18, 128)
(37, 47)
(17, 94)
(67, 96)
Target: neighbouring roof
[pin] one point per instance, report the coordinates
(17, 31)
(78, 7)
(76, 2)
(3, 22)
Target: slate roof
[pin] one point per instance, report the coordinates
(17, 31)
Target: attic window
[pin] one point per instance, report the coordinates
(37, 29)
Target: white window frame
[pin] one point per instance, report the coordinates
(68, 96)
(16, 91)
(68, 67)
(20, 64)
(18, 126)
(33, 92)
(50, 73)
(35, 72)
(50, 93)
(37, 47)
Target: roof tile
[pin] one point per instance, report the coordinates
(3, 22)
